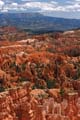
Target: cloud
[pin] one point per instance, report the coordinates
(1, 4)
(39, 5)
(77, 0)
(42, 6)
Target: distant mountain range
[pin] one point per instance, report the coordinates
(38, 23)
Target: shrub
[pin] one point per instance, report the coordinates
(51, 84)
(23, 66)
(12, 64)
(2, 89)
(62, 92)
(23, 79)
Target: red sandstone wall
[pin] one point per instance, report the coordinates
(17, 104)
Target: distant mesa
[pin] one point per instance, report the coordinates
(41, 23)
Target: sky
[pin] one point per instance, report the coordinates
(56, 8)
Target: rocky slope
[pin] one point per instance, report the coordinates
(39, 75)
(22, 103)
(12, 33)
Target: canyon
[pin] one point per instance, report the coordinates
(40, 76)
